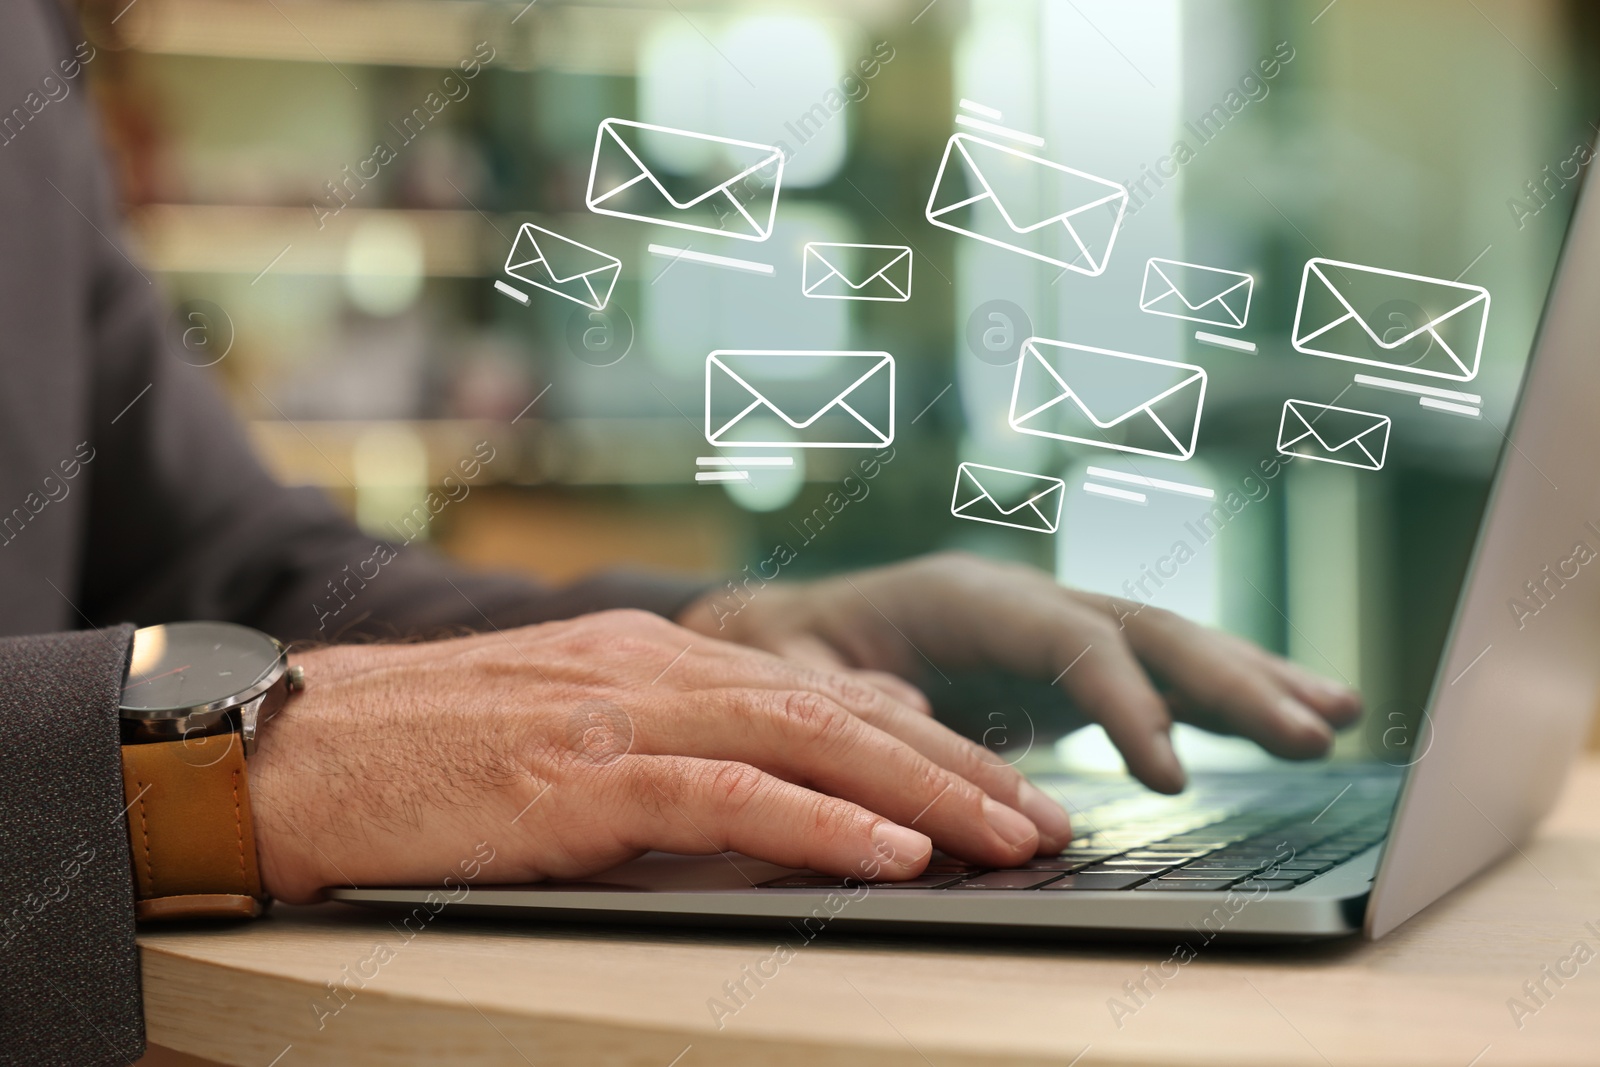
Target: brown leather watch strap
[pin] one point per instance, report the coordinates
(194, 852)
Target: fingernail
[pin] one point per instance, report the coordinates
(1167, 765)
(1012, 826)
(1055, 828)
(1333, 692)
(898, 846)
(1306, 720)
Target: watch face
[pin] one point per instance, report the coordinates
(185, 665)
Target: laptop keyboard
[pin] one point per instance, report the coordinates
(1249, 832)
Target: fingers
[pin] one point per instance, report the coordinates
(813, 741)
(980, 766)
(1044, 633)
(854, 691)
(696, 806)
(898, 689)
(1111, 687)
(1337, 703)
(1225, 682)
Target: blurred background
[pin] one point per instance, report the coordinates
(329, 188)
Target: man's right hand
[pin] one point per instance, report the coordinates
(574, 746)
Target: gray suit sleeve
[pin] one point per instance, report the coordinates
(66, 885)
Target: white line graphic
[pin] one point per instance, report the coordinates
(1454, 409)
(744, 461)
(1114, 493)
(1224, 342)
(1000, 131)
(716, 261)
(1151, 483)
(1417, 390)
(517, 295)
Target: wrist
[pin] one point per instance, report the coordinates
(287, 789)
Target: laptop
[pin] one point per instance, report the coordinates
(1289, 852)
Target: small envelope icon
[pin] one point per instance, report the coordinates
(880, 272)
(827, 399)
(562, 266)
(1328, 434)
(1199, 294)
(735, 194)
(1004, 497)
(1010, 199)
(1405, 322)
(1094, 396)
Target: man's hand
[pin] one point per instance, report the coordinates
(1129, 667)
(574, 746)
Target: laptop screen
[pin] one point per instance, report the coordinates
(1218, 307)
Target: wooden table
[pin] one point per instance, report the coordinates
(1438, 991)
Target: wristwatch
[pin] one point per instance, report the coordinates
(194, 696)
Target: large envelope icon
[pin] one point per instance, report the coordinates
(1008, 198)
(560, 265)
(1199, 294)
(1404, 322)
(1094, 396)
(764, 399)
(1011, 498)
(1328, 434)
(878, 272)
(733, 191)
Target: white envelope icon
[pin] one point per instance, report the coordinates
(827, 399)
(1199, 294)
(734, 195)
(1031, 501)
(879, 272)
(1094, 396)
(560, 265)
(1008, 198)
(1404, 322)
(1328, 434)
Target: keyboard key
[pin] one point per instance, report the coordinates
(807, 881)
(1084, 881)
(1270, 885)
(923, 881)
(1234, 873)
(1058, 863)
(1128, 867)
(1006, 880)
(1192, 885)
(1213, 863)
